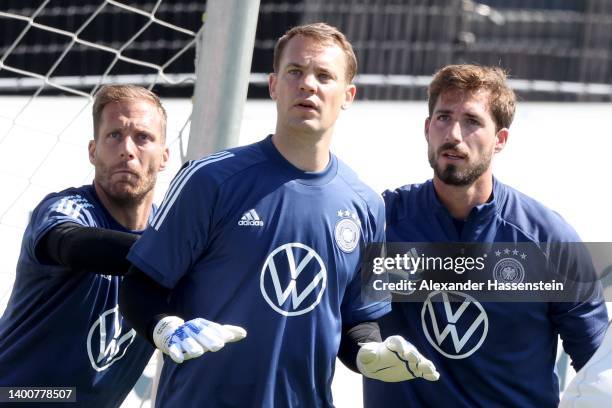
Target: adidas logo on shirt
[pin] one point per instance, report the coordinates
(251, 218)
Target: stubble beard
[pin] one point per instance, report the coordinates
(127, 195)
(454, 176)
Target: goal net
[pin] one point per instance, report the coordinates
(54, 60)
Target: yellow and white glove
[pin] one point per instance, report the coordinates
(186, 340)
(394, 360)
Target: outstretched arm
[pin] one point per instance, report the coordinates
(145, 304)
(98, 250)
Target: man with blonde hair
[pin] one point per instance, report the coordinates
(62, 326)
(490, 349)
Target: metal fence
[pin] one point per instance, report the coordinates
(566, 43)
(553, 49)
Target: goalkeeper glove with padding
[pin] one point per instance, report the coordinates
(186, 340)
(394, 360)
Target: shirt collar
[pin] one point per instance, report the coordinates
(489, 208)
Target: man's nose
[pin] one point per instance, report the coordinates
(308, 83)
(454, 133)
(128, 148)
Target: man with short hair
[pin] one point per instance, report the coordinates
(268, 239)
(489, 353)
(62, 326)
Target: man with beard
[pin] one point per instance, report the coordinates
(488, 353)
(62, 326)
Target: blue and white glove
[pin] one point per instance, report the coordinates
(186, 340)
(394, 360)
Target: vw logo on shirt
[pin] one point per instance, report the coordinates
(454, 323)
(105, 341)
(293, 279)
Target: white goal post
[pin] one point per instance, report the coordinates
(224, 64)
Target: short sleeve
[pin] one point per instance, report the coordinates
(178, 233)
(53, 211)
(356, 307)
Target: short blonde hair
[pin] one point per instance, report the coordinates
(115, 93)
(323, 34)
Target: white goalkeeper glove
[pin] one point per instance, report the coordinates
(186, 340)
(394, 360)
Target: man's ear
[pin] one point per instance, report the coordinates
(165, 157)
(92, 151)
(349, 96)
(427, 123)
(501, 138)
(272, 85)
